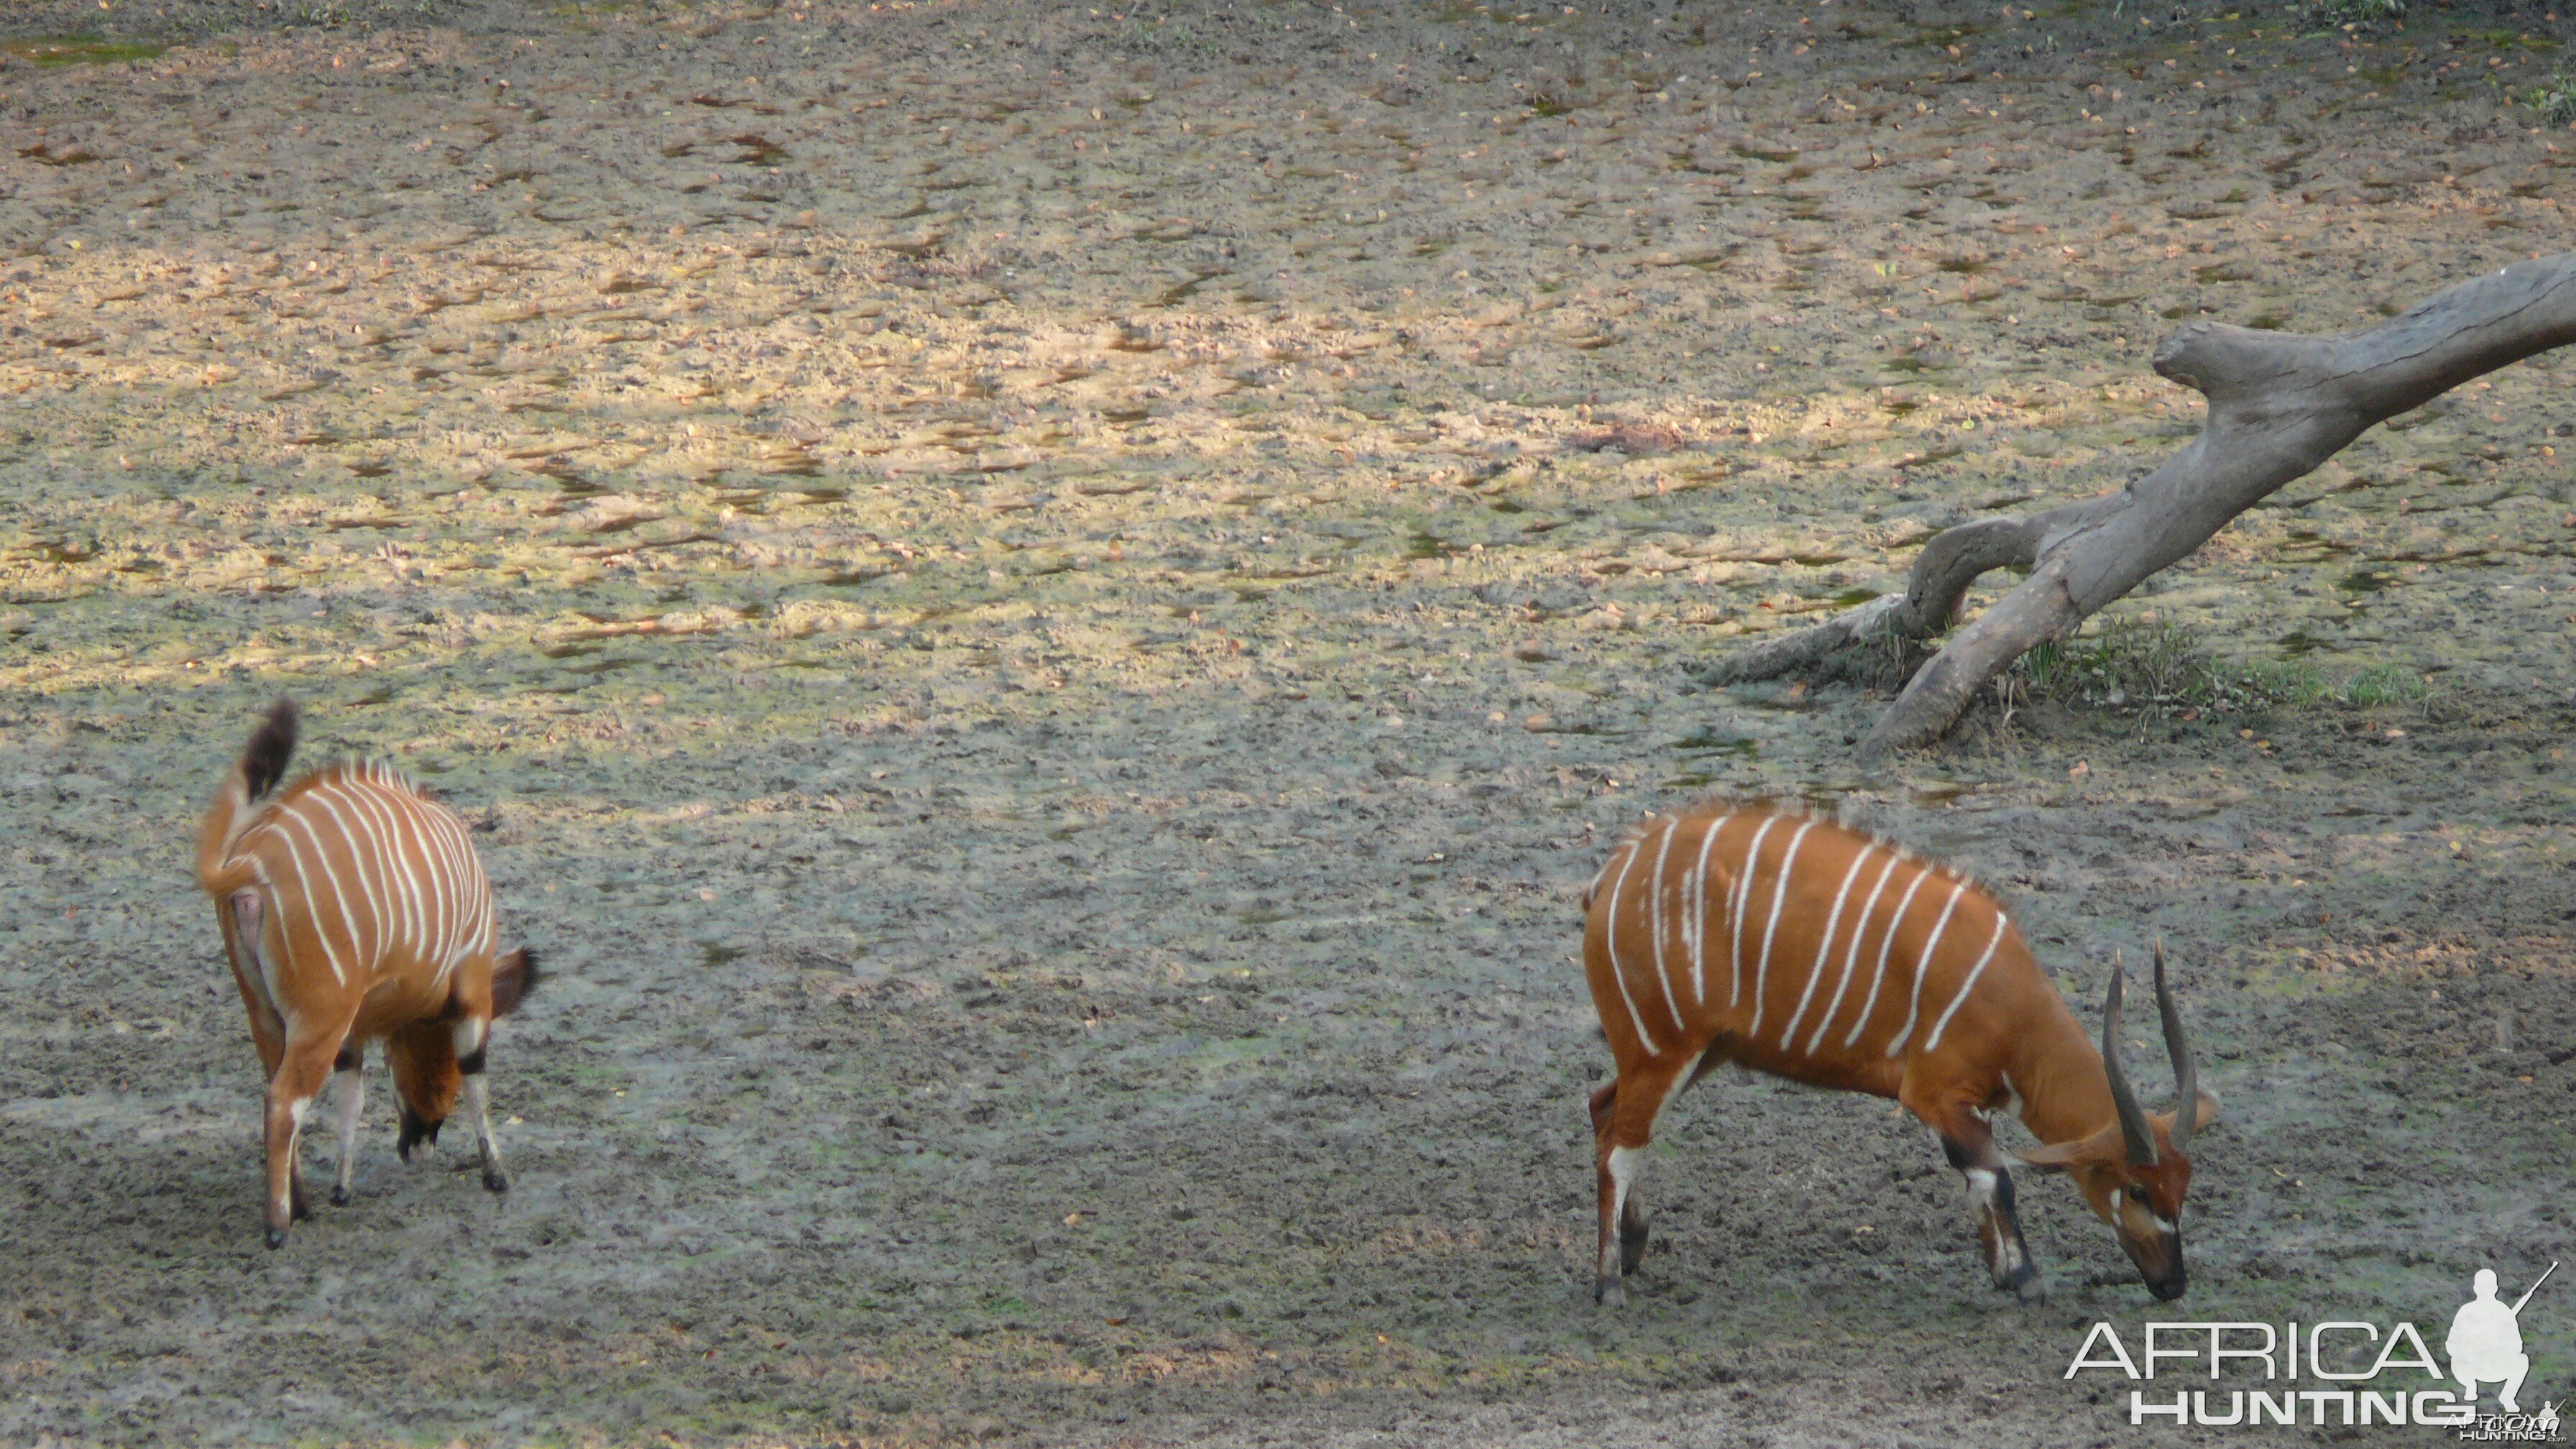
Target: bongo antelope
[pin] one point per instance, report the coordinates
(1790, 944)
(353, 911)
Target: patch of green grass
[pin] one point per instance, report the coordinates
(2351, 14)
(83, 50)
(2554, 99)
(2383, 684)
(2136, 664)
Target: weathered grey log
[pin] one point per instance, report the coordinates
(2280, 404)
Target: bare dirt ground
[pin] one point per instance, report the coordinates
(1045, 608)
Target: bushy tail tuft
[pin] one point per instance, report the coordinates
(513, 977)
(262, 764)
(263, 761)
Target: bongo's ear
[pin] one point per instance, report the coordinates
(2103, 1146)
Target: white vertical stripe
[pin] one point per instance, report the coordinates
(406, 907)
(1735, 913)
(304, 882)
(1860, 933)
(438, 870)
(440, 854)
(1825, 947)
(457, 856)
(1662, 977)
(443, 882)
(1923, 964)
(366, 862)
(1779, 894)
(420, 869)
(482, 912)
(1610, 940)
(1695, 920)
(391, 900)
(1967, 986)
(1878, 976)
(314, 806)
(422, 854)
(478, 897)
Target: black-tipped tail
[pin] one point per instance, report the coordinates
(513, 977)
(263, 761)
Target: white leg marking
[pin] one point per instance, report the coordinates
(1698, 908)
(1680, 1080)
(1860, 933)
(1934, 1040)
(1878, 976)
(1824, 948)
(1610, 940)
(1923, 964)
(1663, 977)
(1771, 928)
(295, 1110)
(478, 1102)
(1623, 1163)
(1981, 1188)
(349, 1092)
(1735, 913)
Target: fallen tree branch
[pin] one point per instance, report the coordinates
(2280, 404)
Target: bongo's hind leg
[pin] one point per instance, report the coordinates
(1624, 1115)
(301, 1070)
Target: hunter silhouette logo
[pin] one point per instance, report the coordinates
(2485, 1344)
(2338, 1372)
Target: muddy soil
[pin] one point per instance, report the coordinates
(1043, 610)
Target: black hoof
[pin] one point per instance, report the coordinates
(341, 1196)
(1609, 1292)
(276, 1239)
(303, 1208)
(496, 1180)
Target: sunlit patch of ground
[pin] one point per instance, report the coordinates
(1043, 613)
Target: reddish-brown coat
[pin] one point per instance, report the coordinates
(1791, 944)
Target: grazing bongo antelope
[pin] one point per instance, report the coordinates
(353, 911)
(1790, 944)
